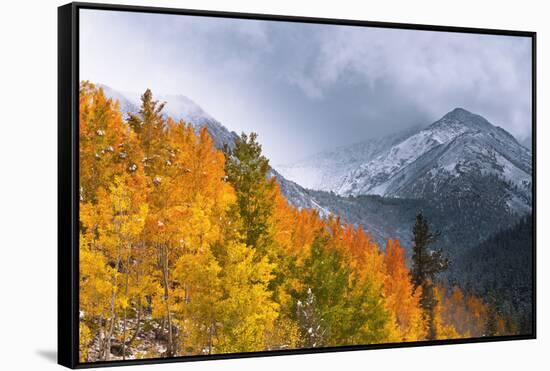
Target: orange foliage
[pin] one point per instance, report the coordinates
(402, 299)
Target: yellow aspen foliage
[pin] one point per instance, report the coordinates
(247, 310)
(95, 281)
(198, 293)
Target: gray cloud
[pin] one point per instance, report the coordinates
(304, 87)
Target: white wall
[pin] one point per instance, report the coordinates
(28, 73)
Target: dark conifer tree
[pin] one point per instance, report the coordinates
(247, 171)
(426, 264)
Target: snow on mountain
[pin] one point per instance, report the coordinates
(178, 107)
(128, 102)
(298, 195)
(181, 107)
(459, 145)
(326, 170)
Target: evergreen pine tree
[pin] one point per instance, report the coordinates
(426, 264)
(247, 170)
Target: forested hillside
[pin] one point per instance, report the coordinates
(186, 249)
(511, 252)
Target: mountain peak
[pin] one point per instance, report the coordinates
(459, 114)
(460, 110)
(466, 118)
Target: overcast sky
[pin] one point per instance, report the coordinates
(305, 88)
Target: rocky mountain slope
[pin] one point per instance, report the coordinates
(327, 170)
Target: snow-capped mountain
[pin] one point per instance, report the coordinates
(453, 154)
(327, 170)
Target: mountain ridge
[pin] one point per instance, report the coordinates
(460, 144)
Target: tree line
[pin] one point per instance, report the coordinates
(187, 249)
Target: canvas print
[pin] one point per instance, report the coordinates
(256, 186)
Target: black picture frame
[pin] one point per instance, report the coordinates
(68, 176)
